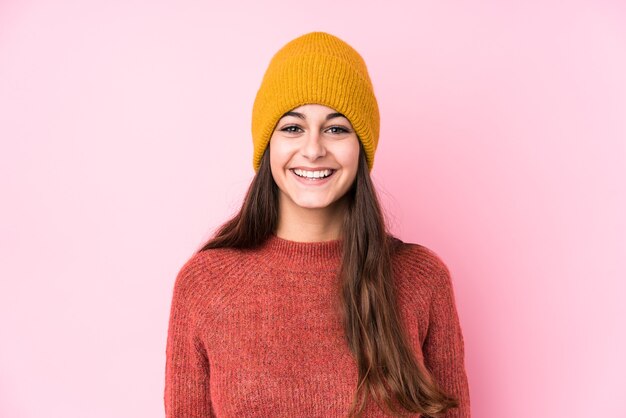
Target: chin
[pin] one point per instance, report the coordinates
(312, 205)
(316, 203)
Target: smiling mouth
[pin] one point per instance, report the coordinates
(312, 178)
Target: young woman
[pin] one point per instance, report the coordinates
(303, 305)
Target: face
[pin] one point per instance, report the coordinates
(314, 154)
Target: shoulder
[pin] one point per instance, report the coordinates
(418, 263)
(203, 271)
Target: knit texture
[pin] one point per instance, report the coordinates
(256, 333)
(316, 68)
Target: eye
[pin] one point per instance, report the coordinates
(341, 129)
(289, 127)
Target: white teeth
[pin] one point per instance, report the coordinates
(313, 174)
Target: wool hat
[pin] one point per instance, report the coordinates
(320, 68)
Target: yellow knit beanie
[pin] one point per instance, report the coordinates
(316, 67)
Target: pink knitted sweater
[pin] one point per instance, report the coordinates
(256, 333)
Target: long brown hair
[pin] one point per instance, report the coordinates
(387, 368)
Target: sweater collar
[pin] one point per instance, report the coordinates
(285, 254)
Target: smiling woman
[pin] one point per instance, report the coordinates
(303, 304)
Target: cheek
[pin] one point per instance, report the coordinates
(279, 157)
(275, 156)
(272, 152)
(350, 157)
(278, 151)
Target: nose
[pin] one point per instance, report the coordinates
(313, 147)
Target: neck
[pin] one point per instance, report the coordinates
(296, 223)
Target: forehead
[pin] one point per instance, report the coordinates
(313, 110)
(313, 107)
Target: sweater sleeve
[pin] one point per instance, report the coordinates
(443, 346)
(187, 366)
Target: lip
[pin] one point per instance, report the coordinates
(312, 168)
(313, 182)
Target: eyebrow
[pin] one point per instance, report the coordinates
(328, 117)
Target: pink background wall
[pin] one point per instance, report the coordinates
(125, 131)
